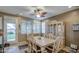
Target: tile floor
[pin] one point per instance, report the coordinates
(13, 49)
(16, 49)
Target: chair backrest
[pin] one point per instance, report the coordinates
(58, 43)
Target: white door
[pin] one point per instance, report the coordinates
(11, 33)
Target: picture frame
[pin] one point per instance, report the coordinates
(75, 27)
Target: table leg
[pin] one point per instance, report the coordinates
(42, 49)
(29, 47)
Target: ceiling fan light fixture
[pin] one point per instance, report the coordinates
(20, 13)
(69, 6)
(40, 12)
(38, 16)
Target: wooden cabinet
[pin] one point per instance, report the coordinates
(56, 29)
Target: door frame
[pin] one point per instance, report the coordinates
(11, 42)
(10, 19)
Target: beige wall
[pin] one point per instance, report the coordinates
(0, 28)
(69, 18)
(21, 37)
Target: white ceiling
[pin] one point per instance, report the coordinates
(27, 11)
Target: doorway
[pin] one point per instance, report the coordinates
(11, 32)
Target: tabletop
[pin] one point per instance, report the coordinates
(41, 41)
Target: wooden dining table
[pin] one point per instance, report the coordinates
(42, 42)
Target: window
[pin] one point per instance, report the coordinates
(11, 32)
(23, 28)
(29, 27)
(36, 27)
(43, 27)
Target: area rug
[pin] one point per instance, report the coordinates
(23, 46)
(63, 51)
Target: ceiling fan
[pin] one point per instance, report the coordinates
(38, 11)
